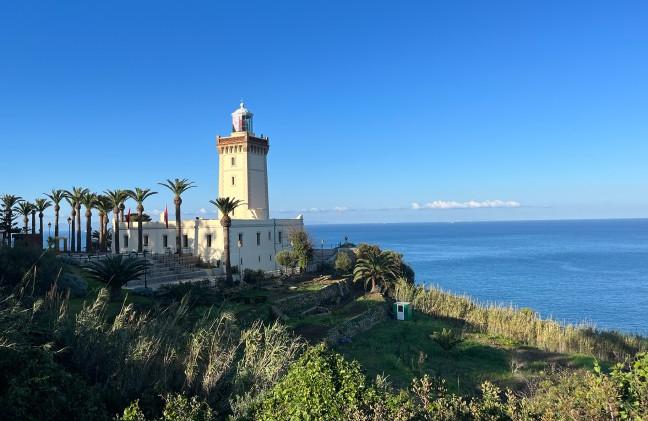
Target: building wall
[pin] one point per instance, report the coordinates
(243, 175)
(273, 237)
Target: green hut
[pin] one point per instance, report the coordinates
(403, 310)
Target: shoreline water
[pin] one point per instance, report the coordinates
(576, 271)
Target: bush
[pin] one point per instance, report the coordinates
(287, 259)
(321, 385)
(176, 408)
(28, 266)
(78, 287)
(34, 387)
(253, 276)
(447, 339)
(631, 379)
(343, 263)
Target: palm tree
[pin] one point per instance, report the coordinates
(140, 195)
(24, 208)
(376, 267)
(9, 201)
(89, 200)
(226, 205)
(56, 196)
(104, 206)
(117, 198)
(74, 198)
(40, 205)
(178, 187)
(115, 271)
(33, 218)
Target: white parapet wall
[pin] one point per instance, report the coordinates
(261, 239)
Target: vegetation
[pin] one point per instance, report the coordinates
(287, 259)
(116, 198)
(56, 196)
(226, 206)
(302, 248)
(24, 209)
(41, 205)
(115, 271)
(376, 268)
(139, 195)
(521, 325)
(195, 353)
(178, 187)
(343, 263)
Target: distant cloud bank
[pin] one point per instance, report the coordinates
(471, 204)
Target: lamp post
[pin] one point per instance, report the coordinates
(69, 221)
(240, 266)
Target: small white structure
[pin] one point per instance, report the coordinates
(403, 310)
(242, 174)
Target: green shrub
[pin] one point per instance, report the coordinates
(253, 276)
(176, 408)
(182, 408)
(447, 339)
(77, 287)
(631, 380)
(34, 387)
(28, 267)
(343, 263)
(321, 385)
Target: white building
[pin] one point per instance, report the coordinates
(255, 239)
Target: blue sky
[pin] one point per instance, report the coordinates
(376, 111)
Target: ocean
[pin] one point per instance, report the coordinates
(593, 271)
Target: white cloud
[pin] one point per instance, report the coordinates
(471, 204)
(202, 210)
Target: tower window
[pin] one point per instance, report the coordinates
(233, 161)
(280, 237)
(209, 240)
(240, 239)
(269, 236)
(126, 241)
(165, 241)
(185, 240)
(146, 241)
(233, 181)
(258, 238)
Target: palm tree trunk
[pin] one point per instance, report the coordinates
(40, 226)
(26, 222)
(105, 240)
(78, 233)
(226, 254)
(73, 232)
(178, 201)
(116, 230)
(101, 230)
(140, 213)
(88, 231)
(33, 222)
(57, 208)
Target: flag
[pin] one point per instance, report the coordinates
(166, 217)
(128, 218)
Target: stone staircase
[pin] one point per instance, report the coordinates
(165, 269)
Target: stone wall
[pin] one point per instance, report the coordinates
(357, 324)
(330, 294)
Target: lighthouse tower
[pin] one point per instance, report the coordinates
(243, 168)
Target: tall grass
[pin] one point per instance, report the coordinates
(143, 355)
(522, 325)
